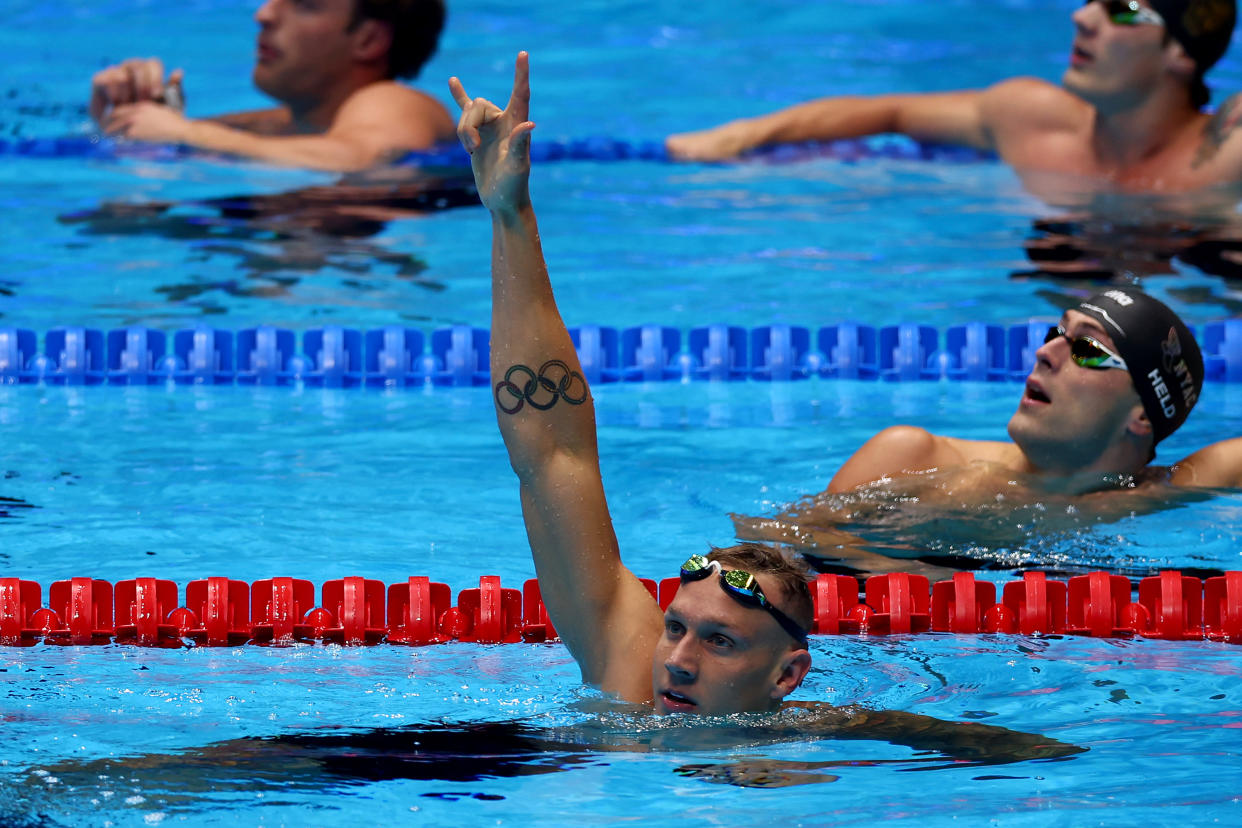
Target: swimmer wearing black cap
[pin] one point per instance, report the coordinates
(1118, 374)
(734, 638)
(1128, 114)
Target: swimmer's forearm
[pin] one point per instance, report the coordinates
(274, 121)
(320, 152)
(821, 120)
(827, 119)
(531, 351)
(952, 117)
(963, 741)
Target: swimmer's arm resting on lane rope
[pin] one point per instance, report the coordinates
(948, 117)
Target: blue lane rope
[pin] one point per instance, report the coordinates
(587, 148)
(396, 356)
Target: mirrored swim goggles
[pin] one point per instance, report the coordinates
(1086, 351)
(1129, 12)
(743, 588)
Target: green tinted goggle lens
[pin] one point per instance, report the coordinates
(742, 587)
(1086, 351)
(743, 582)
(1129, 13)
(696, 564)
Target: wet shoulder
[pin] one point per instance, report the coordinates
(1033, 104)
(921, 449)
(1218, 143)
(970, 452)
(395, 102)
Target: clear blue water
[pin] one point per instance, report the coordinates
(649, 242)
(250, 483)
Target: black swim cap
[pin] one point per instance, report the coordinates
(1204, 28)
(1158, 348)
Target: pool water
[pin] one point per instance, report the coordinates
(185, 483)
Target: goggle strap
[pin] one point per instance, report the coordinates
(750, 595)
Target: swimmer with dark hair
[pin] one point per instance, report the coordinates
(1127, 115)
(333, 66)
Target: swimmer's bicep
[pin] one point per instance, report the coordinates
(601, 611)
(584, 583)
(274, 121)
(1216, 466)
(945, 117)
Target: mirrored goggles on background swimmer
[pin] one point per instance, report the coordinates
(1129, 12)
(743, 588)
(1086, 351)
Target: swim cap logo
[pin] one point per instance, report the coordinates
(1119, 297)
(1163, 397)
(1171, 349)
(1176, 369)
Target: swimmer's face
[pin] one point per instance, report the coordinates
(305, 49)
(1069, 416)
(717, 656)
(1113, 64)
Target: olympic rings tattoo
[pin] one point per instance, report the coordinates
(553, 382)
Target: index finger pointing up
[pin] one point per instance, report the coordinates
(459, 92)
(519, 100)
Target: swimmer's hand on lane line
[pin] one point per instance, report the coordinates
(498, 141)
(134, 81)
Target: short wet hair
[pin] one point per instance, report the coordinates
(416, 27)
(791, 573)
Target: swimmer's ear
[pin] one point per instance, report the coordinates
(1178, 62)
(1139, 424)
(794, 668)
(372, 40)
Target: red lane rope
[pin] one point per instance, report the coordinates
(224, 612)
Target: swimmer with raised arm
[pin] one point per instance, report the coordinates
(1128, 111)
(332, 66)
(734, 639)
(729, 642)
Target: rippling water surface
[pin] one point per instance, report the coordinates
(186, 483)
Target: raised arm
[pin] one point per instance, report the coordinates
(543, 405)
(949, 117)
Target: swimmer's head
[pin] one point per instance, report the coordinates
(1204, 29)
(1159, 350)
(415, 26)
(723, 653)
